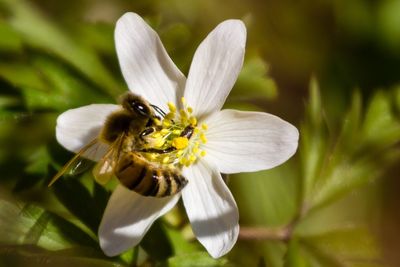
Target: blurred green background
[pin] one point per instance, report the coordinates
(332, 68)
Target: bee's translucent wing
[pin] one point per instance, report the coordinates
(77, 164)
(104, 169)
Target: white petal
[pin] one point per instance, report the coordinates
(249, 141)
(127, 218)
(215, 67)
(78, 127)
(211, 209)
(145, 65)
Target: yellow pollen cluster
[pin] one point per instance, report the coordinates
(179, 137)
(180, 142)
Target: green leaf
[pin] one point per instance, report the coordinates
(244, 106)
(380, 127)
(397, 99)
(80, 201)
(179, 244)
(343, 247)
(253, 82)
(362, 153)
(9, 101)
(47, 84)
(64, 90)
(197, 259)
(99, 36)
(30, 224)
(12, 73)
(38, 32)
(294, 256)
(156, 242)
(35, 170)
(10, 41)
(268, 197)
(313, 141)
(21, 256)
(350, 132)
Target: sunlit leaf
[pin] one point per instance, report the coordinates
(81, 202)
(197, 259)
(22, 256)
(36, 169)
(28, 224)
(179, 244)
(10, 41)
(253, 82)
(39, 32)
(294, 256)
(12, 73)
(156, 243)
(380, 127)
(268, 197)
(313, 141)
(344, 247)
(362, 152)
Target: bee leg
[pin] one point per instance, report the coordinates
(146, 132)
(158, 151)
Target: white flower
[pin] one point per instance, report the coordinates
(236, 141)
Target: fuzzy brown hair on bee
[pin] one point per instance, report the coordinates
(136, 114)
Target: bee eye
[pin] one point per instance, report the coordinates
(140, 108)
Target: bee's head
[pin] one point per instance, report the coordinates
(136, 105)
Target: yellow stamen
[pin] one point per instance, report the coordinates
(189, 110)
(171, 107)
(192, 158)
(157, 122)
(165, 160)
(203, 153)
(164, 131)
(159, 142)
(166, 123)
(193, 121)
(183, 100)
(203, 138)
(183, 114)
(180, 142)
(204, 126)
(182, 161)
(170, 116)
(176, 132)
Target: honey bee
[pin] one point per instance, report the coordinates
(125, 131)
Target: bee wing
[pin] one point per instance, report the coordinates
(104, 169)
(76, 164)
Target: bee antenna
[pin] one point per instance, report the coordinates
(158, 110)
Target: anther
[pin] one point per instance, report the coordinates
(171, 107)
(165, 160)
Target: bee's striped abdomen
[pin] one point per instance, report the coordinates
(139, 175)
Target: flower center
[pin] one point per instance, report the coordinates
(178, 138)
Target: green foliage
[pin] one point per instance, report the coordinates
(27, 224)
(20, 256)
(253, 82)
(38, 32)
(197, 259)
(316, 207)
